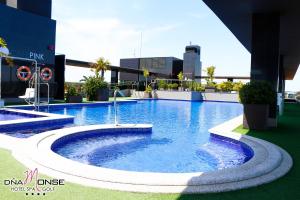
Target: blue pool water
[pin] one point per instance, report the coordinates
(179, 141)
(6, 115)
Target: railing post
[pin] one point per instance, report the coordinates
(115, 107)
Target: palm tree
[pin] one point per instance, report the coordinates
(2, 45)
(5, 52)
(100, 65)
(211, 74)
(2, 42)
(146, 74)
(180, 78)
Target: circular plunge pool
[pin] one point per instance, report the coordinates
(179, 141)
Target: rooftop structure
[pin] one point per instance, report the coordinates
(269, 30)
(30, 33)
(168, 66)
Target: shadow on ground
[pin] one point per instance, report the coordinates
(287, 136)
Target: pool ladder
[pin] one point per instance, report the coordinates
(115, 107)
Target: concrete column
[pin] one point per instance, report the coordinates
(114, 76)
(265, 53)
(60, 65)
(281, 85)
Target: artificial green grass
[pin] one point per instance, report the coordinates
(287, 135)
(10, 168)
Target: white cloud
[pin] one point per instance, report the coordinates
(88, 39)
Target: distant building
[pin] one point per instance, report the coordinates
(164, 67)
(191, 62)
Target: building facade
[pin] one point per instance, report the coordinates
(163, 67)
(167, 67)
(29, 32)
(191, 62)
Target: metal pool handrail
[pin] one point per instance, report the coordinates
(115, 106)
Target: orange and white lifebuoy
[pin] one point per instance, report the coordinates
(24, 73)
(46, 74)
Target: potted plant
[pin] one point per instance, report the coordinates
(180, 78)
(72, 95)
(103, 92)
(95, 88)
(256, 97)
(148, 91)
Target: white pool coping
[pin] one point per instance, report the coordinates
(268, 163)
(77, 104)
(44, 119)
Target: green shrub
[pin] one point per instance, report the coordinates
(162, 84)
(174, 86)
(237, 86)
(148, 89)
(226, 86)
(198, 87)
(194, 86)
(171, 86)
(91, 85)
(257, 92)
(71, 90)
(190, 85)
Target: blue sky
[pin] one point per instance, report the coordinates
(112, 29)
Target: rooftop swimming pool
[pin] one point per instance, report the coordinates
(160, 146)
(179, 141)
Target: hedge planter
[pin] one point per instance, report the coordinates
(147, 95)
(256, 116)
(102, 94)
(74, 99)
(180, 89)
(210, 89)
